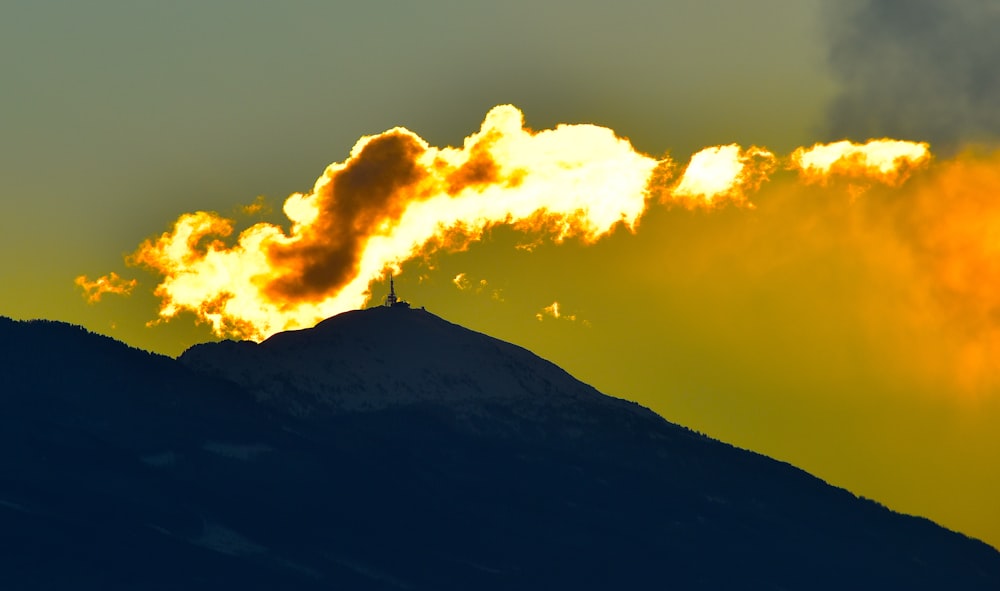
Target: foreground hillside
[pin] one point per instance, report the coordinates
(389, 449)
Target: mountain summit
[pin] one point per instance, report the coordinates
(390, 449)
(382, 358)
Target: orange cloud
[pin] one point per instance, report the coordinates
(259, 206)
(723, 173)
(888, 161)
(553, 311)
(394, 198)
(949, 221)
(94, 290)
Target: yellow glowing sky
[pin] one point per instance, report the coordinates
(847, 327)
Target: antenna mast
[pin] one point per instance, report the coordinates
(390, 300)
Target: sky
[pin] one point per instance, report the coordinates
(845, 322)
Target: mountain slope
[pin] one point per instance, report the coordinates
(389, 449)
(383, 358)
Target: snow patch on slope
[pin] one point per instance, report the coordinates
(381, 358)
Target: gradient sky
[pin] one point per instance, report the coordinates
(774, 329)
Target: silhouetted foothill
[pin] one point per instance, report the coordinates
(387, 449)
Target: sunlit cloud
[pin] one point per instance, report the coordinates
(258, 207)
(464, 283)
(888, 161)
(395, 198)
(111, 283)
(934, 224)
(723, 173)
(553, 311)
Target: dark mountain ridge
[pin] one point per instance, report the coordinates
(382, 358)
(388, 449)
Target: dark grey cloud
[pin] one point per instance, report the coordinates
(915, 69)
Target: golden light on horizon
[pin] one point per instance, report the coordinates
(396, 198)
(393, 198)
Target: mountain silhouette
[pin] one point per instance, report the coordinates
(390, 449)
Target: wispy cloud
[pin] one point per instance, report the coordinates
(554, 310)
(112, 283)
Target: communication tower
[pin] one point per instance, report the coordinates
(391, 299)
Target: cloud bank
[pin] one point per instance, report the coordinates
(929, 227)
